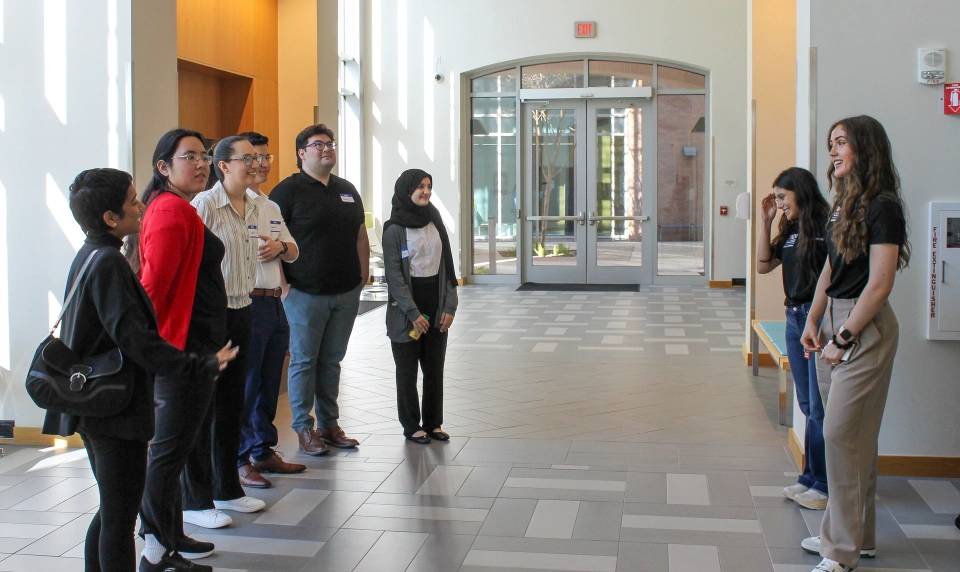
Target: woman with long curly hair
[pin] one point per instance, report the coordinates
(801, 248)
(867, 244)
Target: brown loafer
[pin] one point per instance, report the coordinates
(310, 442)
(250, 477)
(335, 436)
(275, 464)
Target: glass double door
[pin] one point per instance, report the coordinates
(584, 205)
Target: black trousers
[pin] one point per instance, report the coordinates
(120, 467)
(429, 352)
(181, 408)
(211, 470)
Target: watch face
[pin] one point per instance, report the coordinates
(846, 335)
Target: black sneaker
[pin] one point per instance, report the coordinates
(172, 562)
(193, 549)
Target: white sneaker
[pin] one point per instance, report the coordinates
(209, 518)
(814, 500)
(827, 565)
(812, 545)
(242, 504)
(793, 491)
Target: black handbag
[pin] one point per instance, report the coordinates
(61, 381)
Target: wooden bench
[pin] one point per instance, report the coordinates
(772, 334)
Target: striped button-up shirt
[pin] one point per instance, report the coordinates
(239, 236)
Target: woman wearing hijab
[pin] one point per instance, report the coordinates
(422, 296)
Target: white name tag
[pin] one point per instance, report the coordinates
(347, 198)
(252, 231)
(404, 253)
(274, 228)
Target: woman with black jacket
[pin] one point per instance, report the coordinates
(111, 309)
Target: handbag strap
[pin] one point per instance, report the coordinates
(73, 289)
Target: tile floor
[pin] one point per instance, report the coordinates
(591, 432)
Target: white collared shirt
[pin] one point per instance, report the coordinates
(239, 236)
(271, 221)
(425, 250)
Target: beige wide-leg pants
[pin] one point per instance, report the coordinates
(854, 394)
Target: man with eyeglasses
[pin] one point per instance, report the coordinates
(325, 215)
(270, 334)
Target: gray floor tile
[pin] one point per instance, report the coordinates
(441, 553)
(26, 489)
(344, 550)
(553, 519)
(598, 521)
(28, 563)
(337, 507)
(635, 556)
(293, 507)
(508, 517)
(61, 540)
(687, 489)
(392, 552)
(519, 560)
(413, 525)
(782, 527)
(262, 546)
(745, 558)
(646, 488)
(445, 480)
(693, 558)
(941, 496)
(484, 482)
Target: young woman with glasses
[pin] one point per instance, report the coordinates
(180, 270)
(867, 245)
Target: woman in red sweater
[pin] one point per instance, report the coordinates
(180, 270)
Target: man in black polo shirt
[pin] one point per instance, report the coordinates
(325, 216)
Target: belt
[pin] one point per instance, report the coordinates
(268, 292)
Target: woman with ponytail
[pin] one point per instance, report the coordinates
(422, 300)
(867, 244)
(801, 249)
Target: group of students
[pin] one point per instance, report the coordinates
(839, 266)
(213, 290)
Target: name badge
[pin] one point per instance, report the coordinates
(404, 253)
(347, 198)
(274, 229)
(252, 231)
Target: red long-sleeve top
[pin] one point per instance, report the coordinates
(171, 245)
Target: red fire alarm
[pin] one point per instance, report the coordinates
(723, 211)
(951, 99)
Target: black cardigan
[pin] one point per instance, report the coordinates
(111, 309)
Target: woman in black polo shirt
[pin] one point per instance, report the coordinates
(867, 245)
(801, 248)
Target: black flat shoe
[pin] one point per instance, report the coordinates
(439, 435)
(422, 439)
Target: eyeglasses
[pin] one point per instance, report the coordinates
(248, 160)
(321, 144)
(265, 159)
(194, 159)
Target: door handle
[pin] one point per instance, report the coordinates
(594, 218)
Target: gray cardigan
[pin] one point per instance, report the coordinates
(401, 309)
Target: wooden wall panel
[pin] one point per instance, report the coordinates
(266, 98)
(236, 106)
(199, 103)
(265, 39)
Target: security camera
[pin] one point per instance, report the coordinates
(438, 77)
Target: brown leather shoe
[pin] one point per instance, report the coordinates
(335, 436)
(310, 442)
(275, 464)
(250, 477)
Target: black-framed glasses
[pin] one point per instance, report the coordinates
(321, 144)
(268, 159)
(248, 160)
(194, 159)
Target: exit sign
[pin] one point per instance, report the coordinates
(584, 29)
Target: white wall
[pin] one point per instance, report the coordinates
(468, 36)
(65, 109)
(867, 63)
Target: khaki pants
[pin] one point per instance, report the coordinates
(855, 394)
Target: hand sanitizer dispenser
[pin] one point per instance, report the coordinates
(943, 284)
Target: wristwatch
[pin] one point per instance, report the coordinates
(284, 251)
(844, 339)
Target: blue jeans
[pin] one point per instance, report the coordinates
(269, 341)
(804, 372)
(320, 328)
